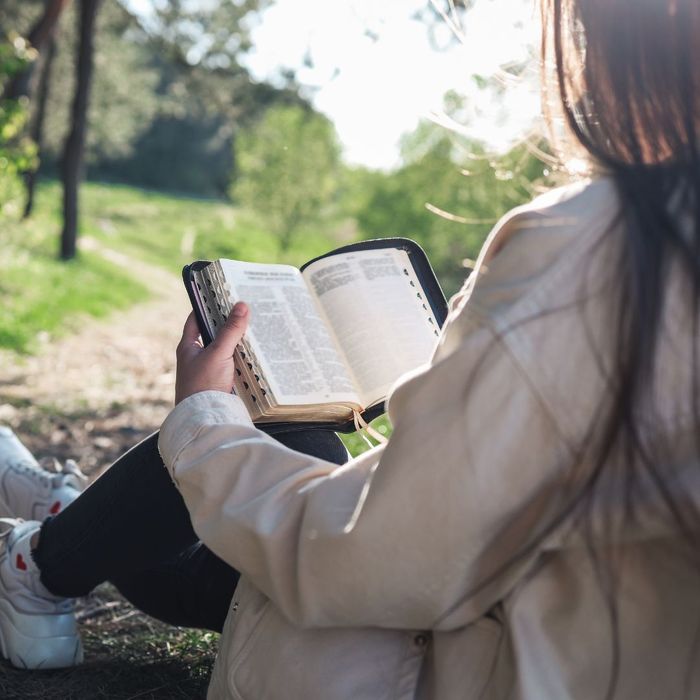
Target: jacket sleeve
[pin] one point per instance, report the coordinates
(418, 534)
(433, 529)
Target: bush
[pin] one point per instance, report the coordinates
(287, 169)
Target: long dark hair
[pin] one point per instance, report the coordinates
(626, 75)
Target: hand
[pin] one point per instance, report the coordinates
(210, 368)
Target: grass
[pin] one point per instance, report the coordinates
(170, 231)
(44, 296)
(359, 442)
(127, 656)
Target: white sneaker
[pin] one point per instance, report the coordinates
(29, 491)
(37, 628)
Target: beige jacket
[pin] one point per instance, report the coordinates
(394, 577)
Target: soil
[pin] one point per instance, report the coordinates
(93, 395)
(90, 397)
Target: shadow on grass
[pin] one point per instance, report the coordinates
(127, 656)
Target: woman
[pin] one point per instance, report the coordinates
(530, 529)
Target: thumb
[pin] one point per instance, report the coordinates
(232, 331)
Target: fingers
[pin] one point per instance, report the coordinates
(233, 330)
(190, 333)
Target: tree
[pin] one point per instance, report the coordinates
(72, 162)
(164, 106)
(36, 130)
(448, 195)
(287, 169)
(42, 40)
(204, 95)
(17, 153)
(123, 99)
(39, 37)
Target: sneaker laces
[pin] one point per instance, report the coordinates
(64, 474)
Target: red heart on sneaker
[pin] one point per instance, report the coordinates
(55, 508)
(21, 564)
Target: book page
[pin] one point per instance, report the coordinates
(374, 303)
(288, 335)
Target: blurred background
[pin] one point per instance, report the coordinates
(255, 129)
(140, 135)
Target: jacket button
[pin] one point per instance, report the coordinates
(234, 607)
(421, 640)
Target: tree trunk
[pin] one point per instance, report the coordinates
(37, 127)
(72, 161)
(39, 36)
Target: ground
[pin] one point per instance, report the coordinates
(89, 397)
(95, 393)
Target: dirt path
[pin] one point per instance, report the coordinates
(92, 395)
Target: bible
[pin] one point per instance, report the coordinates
(326, 342)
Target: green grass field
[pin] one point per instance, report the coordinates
(44, 298)
(42, 295)
(170, 231)
(128, 654)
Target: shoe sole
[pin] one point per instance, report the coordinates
(23, 651)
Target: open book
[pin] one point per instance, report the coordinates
(325, 343)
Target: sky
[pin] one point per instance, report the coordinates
(375, 73)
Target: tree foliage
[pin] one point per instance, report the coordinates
(444, 20)
(447, 196)
(287, 169)
(123, 99)
(39, 37)
(201, 96)
(169, 91)
(17, 152)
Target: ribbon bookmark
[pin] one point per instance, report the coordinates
(362, 424)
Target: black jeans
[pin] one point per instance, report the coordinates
(131, 527)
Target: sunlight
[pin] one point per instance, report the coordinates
(374, 72)
(372, 69)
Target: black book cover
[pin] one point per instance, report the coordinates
(423, 271)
